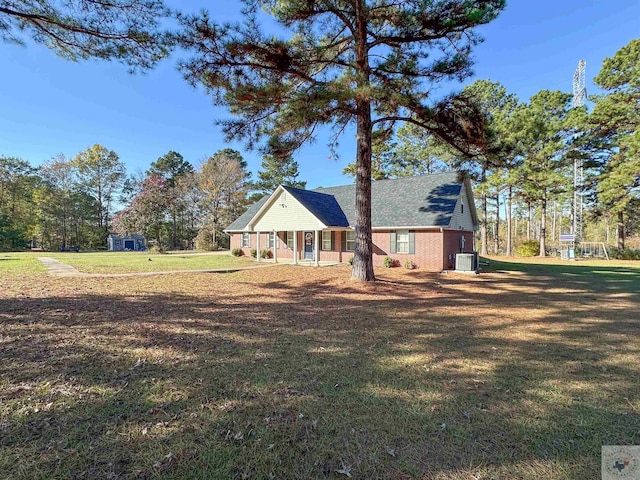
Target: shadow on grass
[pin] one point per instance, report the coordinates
(418, 376)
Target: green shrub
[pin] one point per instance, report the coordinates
(237, 252)
(530, 248)
(266, 253)
(157, 249)
(253, 253)
(624, 254)
(409, 265)
(389, 262)
(204, 240)
(350, 260)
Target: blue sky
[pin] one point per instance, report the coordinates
(49, 105)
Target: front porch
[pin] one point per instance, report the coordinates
(306, 247)
(301, 263)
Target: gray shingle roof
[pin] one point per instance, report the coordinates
(422, 201)
(323, 206)
(425, 200)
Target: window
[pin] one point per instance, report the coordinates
(290, 239)
(246, 240)
(461, 207)
(326, 240)
(351, 240)
(402, 241)
(272, 240)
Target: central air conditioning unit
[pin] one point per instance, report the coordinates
(466, 262)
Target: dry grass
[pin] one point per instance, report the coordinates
(284, 372)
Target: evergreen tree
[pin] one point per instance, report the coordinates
(346, 62)
(616, 122)
(546, 130)
(79, 29)
(173, 167)
(277, 170)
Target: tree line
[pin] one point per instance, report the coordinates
(526, 169)
(373, 65)
(77, 202)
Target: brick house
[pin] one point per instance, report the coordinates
(426, 219)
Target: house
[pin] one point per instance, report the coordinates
(121, 243)
(425, 219)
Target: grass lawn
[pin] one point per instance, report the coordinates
(130, 262)
(522, 372)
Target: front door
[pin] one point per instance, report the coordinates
(308, 245)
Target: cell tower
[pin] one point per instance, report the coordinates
(579, 88)
(579, 98)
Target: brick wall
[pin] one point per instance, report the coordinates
(452, 244)
(428, 249)
(434, 250)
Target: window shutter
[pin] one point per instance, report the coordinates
(393, 242)
(412, 242)
(333, 241)
(343, 241)
(249, 240)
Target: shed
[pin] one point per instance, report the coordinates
(124, 243)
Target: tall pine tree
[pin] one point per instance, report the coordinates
(368, 63)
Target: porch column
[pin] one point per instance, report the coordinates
(257, 246)
(317, 250)
(275, 247)
(295, 247)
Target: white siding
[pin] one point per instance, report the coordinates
(285, 213)
(462, 216)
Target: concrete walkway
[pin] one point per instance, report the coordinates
(59, 269)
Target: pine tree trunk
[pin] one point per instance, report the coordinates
(496, 237)
(553, 223)
(363, 255)
(175, 225)
(543, 225)
(509, 245)
(528, 221)
(620, 231)
(483, 220)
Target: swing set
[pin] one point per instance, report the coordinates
(570, 250)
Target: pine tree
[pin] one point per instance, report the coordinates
(79, 29)
(345, 62)
(277, 171)
(616, 124)
(173, 167)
